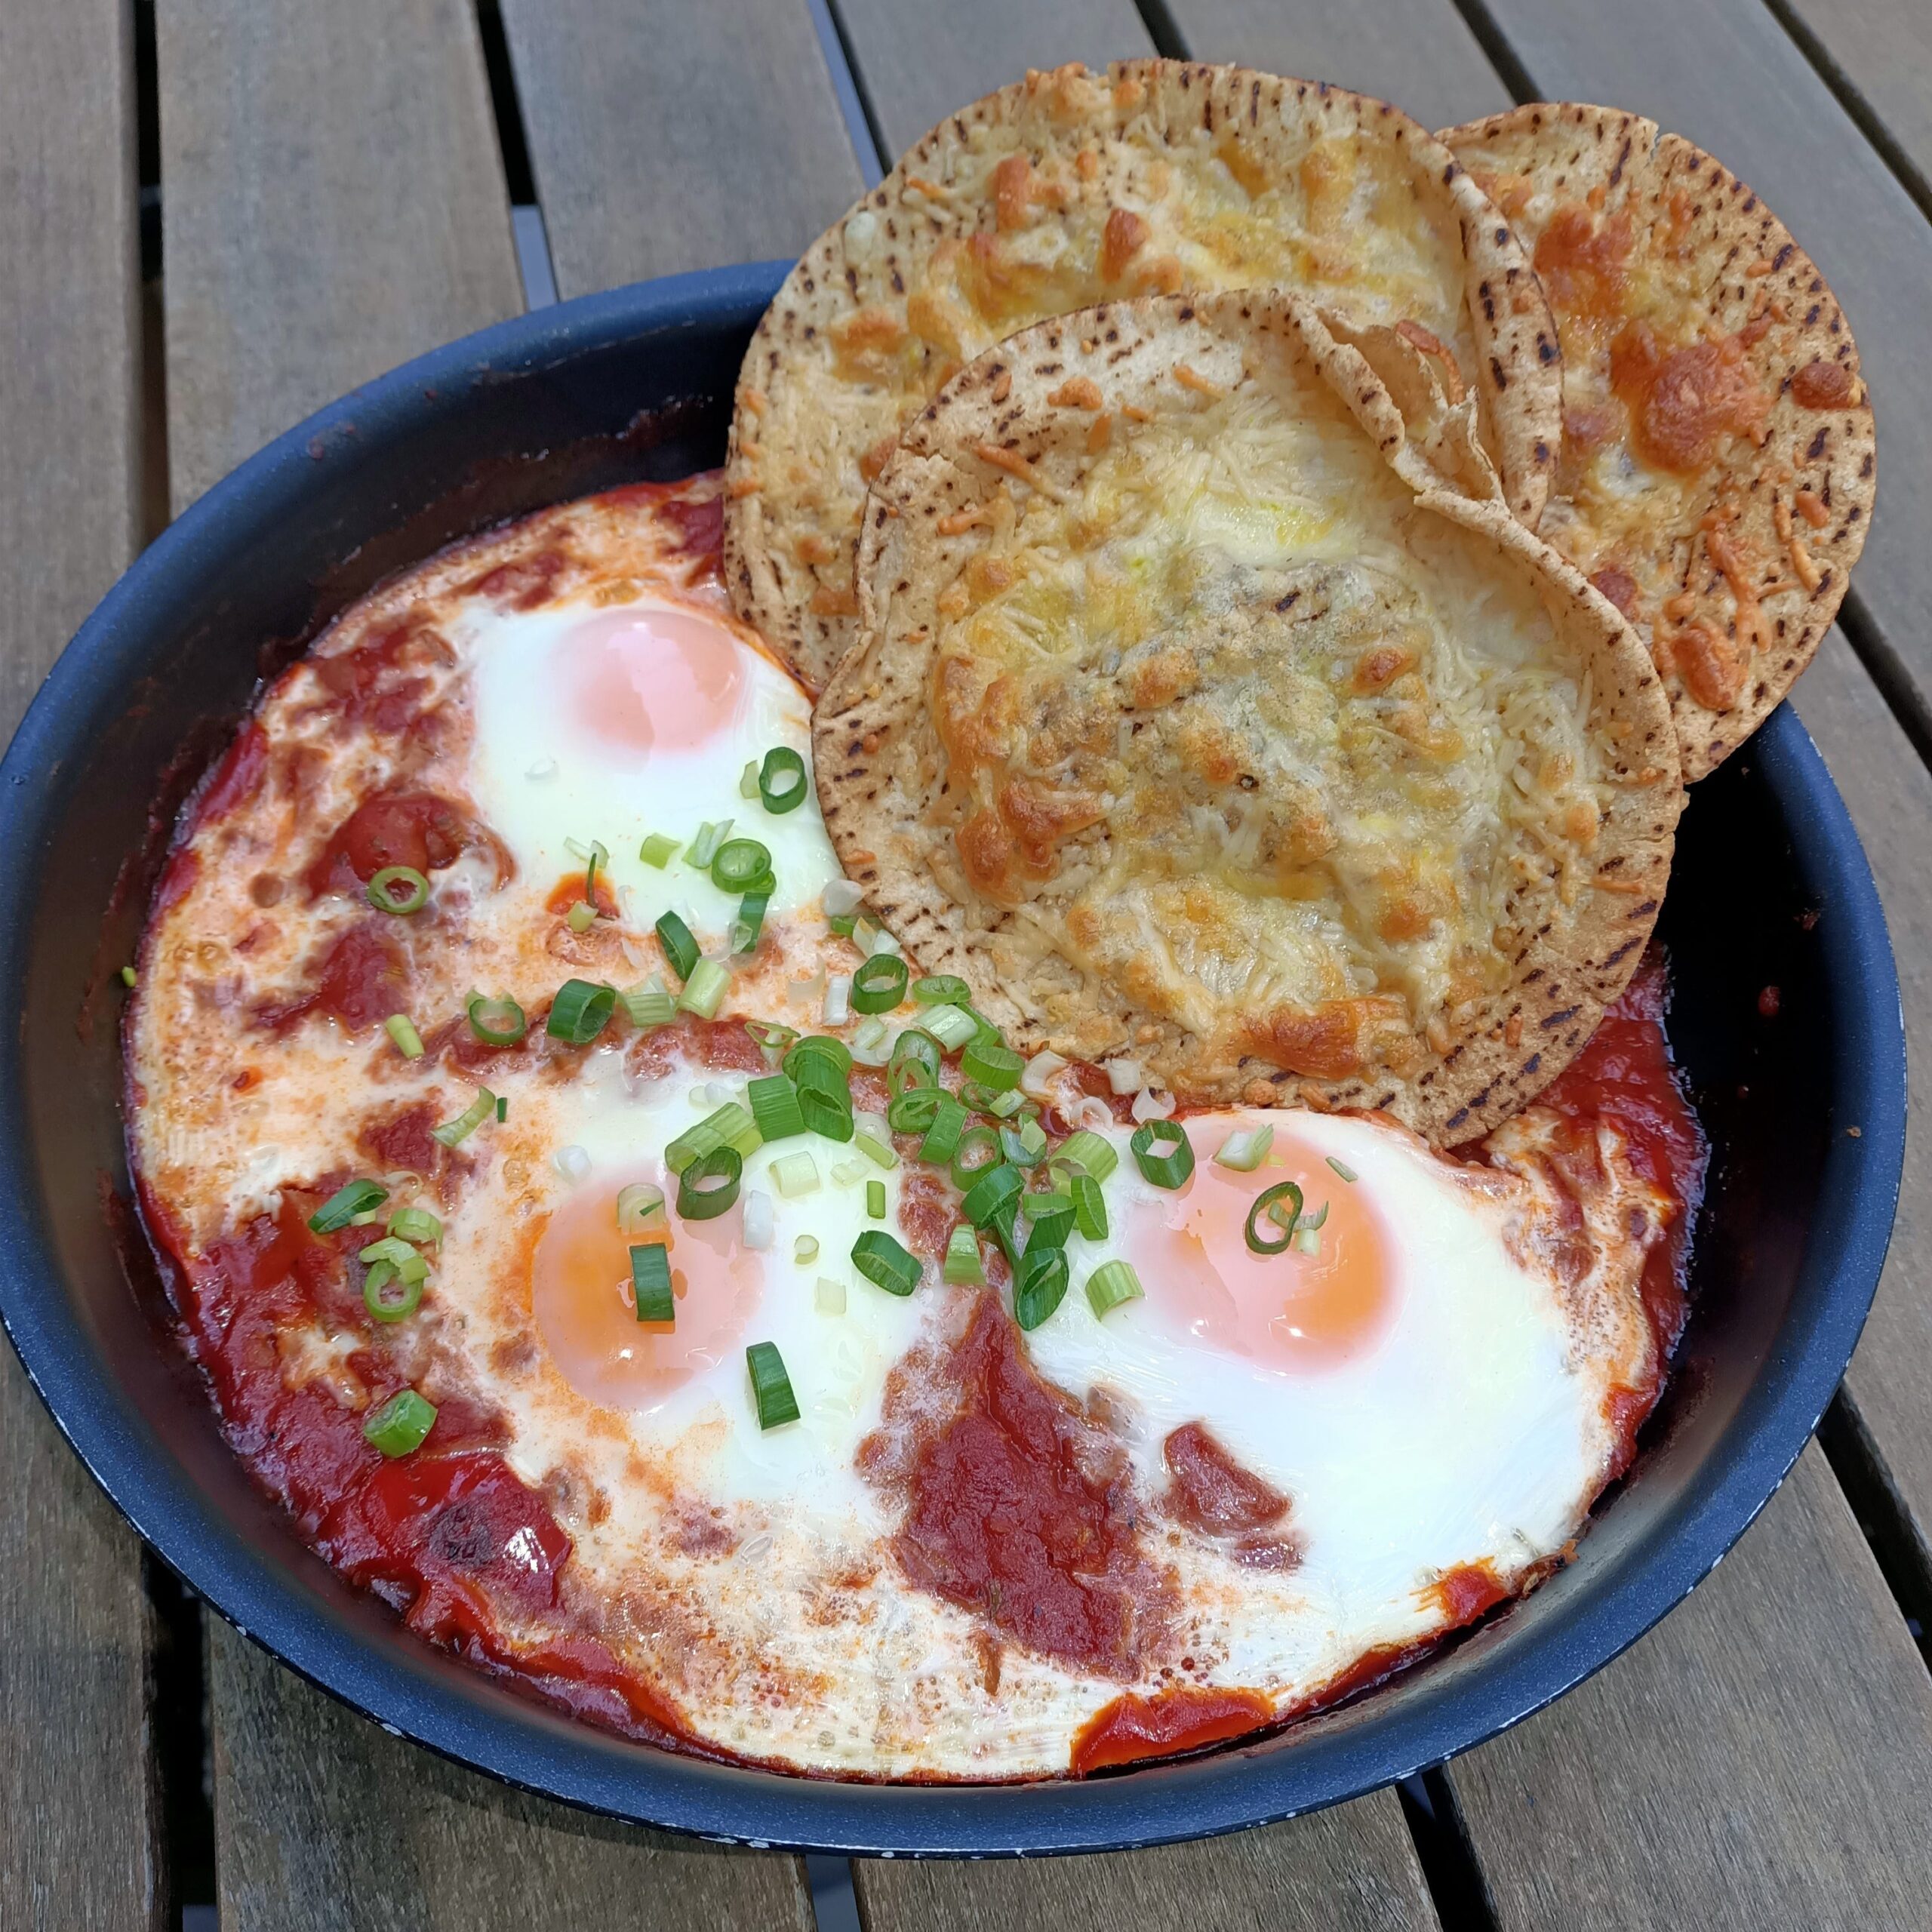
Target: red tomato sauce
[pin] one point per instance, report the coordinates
(413, 829)
(1183, 1718)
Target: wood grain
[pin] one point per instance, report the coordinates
(1762, 1759)
(333, 204)
(80, 1844)
(920, 60)
(665, 136)
(304, 1849)
(1418, 53)
(1725, 73)
(1881, 51)
(1353, 1869)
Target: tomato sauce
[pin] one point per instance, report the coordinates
(413, 829)
(1183, 1718)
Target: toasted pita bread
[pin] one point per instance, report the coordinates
(1072, 187)
(1201, 714)
(1725, 530)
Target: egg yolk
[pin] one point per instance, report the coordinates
(580, 1294)
(1291, 1311)
(653, 677)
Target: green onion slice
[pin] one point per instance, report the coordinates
(1111, 1284)
(828, 1114)
(1089, 1206)
(781, 779)
(884, 1264)
(915, 1110)
(875, 1199)
(1264, 1208)
(1163, 1152)
(579, 1012)
(942, 1140)
(952, 1026)
(879, 985)
(750, 921)
(650, 1004)
(391, 1248)
(916, 1061)
(942, 989)
(990, 1191)
(657, 851)
(774, 1105)
(705, 987)
(502, 1106)
(771, 1039)
(841, 924)
(704, 846)
(415, 1224)
(730, 1126)
(650, 1283)
(1039, 1285)
(497, 1022)
(401, 1030)
(581, 917)
(453, 1133)
(1050, 1216)
(993, 1066)
(975, 1152)
(1025, 1145)
(1346, 1172)
(709, 1186)
(352, 1199)
(795, 1174)
(739, 863)
(640, 1207)
(771, 1387)
(400, 1425)
(1245, 1149)
(388, 1296)
(399, 889)
(820, 1046)
(680, 949)
(1088, 1152)
(599, 856)
(963, 1267)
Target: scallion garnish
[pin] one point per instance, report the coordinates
(401, 1030)
(879, 985)
(993, 1066)
(794, 1175)
(976, 1152)
(774, 1105)
(640, 1208)
(658, 850)
(873, 1138)
(730, 1126)
(415, 1224)
(497, 1022)
(952, 1026)
(651, 1298)
(680, 949)
(1007, 1106)
(750, 921)
(400, 1424)
(387, 1296)
(709, 1186)
(781, 779)
(705, 987)
(820, 1046)
(129, 977)
(771, 1039)
(1111, 1284)
(391, 1248)
(452, 1133)
(1039, 1285)
(771, 1387)
(884, 1264)
(829, 1113)
(581, 917)
(875, 1199)
(1264, 1209)
(804, 1250)
(1025, 1145)
(599, 857)
(1245, 1149)
(340, 1209)
(914, 1061)
(399, 889)
(579, 1012)
(704, 846)
(914, 1111)
(1090, 1152)
(993, 1189)
(748, 779)
(942, 989)
(503, 1107)
(1050, 1218)
(1089, 1206)
(739, 864)
(963, 1267)
(1163, 1152)
(1346, 1173)
(942, 1140)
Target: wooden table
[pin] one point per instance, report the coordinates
(216, 215)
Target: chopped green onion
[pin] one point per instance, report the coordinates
(680, 949)
(1008, 1106)
(1004, 1227)
(730, 1126)
(1173, 1162)
(658, 850)
(942, 989)
(1264, 1206)
(129, 977)
(829, 1295)
(976, 1152)
(1039, 1285)
(873, 1138)
(867, 1042)
(579, 1012)
(1089, 1152)
(391, 1248)
(774, 1105)
(914, 1111)
(1089, 1206)
(991, 1064)
(352, 1199)
(387, 1296)
(990, 1191)
(963, 1267)
(828, 1114)
(781, 779)
(884, 1264)
(581, 917)
(705, 989)
(503, 1107)
(815, 1074)
(452, 1132)
(750, 921)
(578, 850)
(794, 1175)
(804, 1250)
(401, 1030)
(401, 1424)
(821, 1046)
(1025, 1145)
(704, 846)
(650, 1003)
(952, 1026)
(1346, 1173)
(640, 1207)
(1307, 1241)
(383, 895)
(984, 1030)
(841, 924)
(739, 864)
(651, 1298)
(942, 1140)
(599, 856)
(771, 1039)
(1051, 1219)
(879, 985)
(415, 1224)
(916, 1061)
(1111, 1284)
(875, 1199)
(1245, 1150)
(771, 1387)
(748, 779)
(497, 1022)
(709, 1186)
(1306, 1223)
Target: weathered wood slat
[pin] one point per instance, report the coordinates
(1882, 50)
(1763, 1758)
(344, 1829)
(1353, 1869)
(1417, 54)
(333, 202)
(77, 1789)
(665, 136)
(920, 62)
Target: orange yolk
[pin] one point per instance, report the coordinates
(580, 1294)
(1290, 1311)
(655, 677)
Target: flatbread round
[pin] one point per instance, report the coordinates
(1202, 717)
(1072, 187)
(1718, 466)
